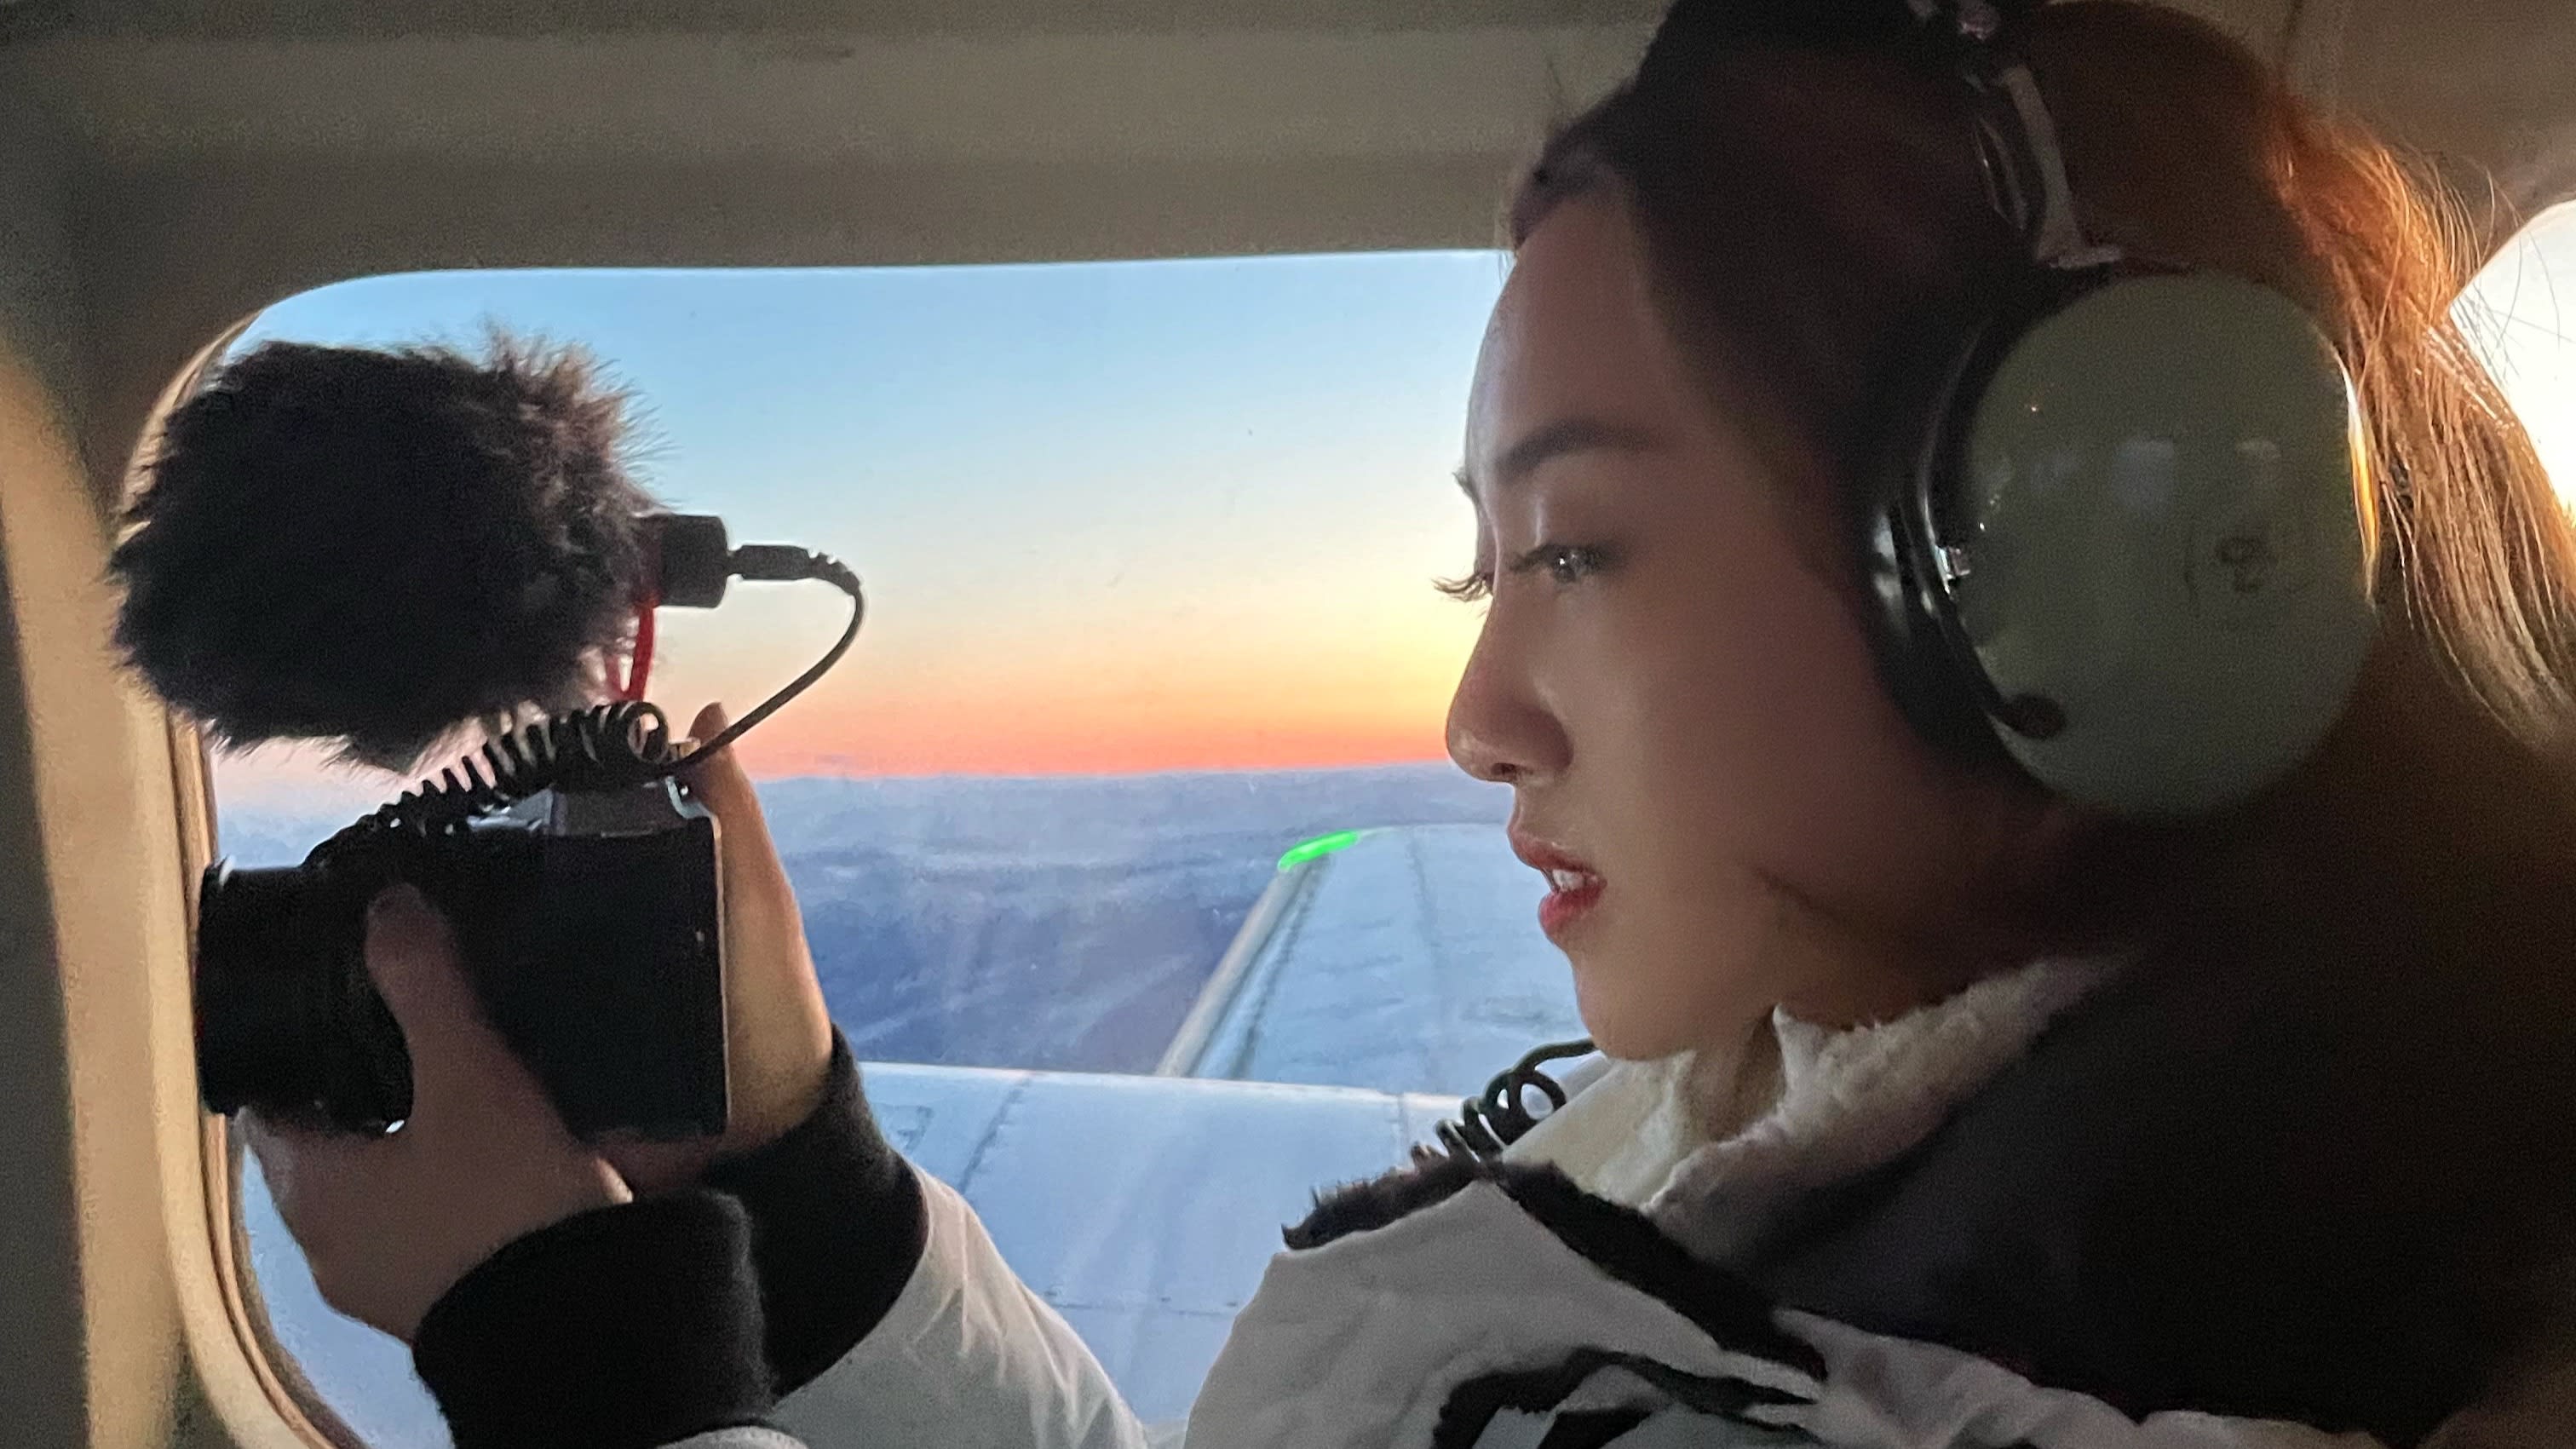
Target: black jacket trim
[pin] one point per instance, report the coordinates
(1472, 1405)
(1619, 1240)
(1592, 1430)
(622, 1328)
(837, 1227)
(1628, 1246)
(1358, 1207)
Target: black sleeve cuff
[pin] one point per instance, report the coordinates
(622, 1328)
(838, 1226)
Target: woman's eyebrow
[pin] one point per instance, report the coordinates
(1556, 440)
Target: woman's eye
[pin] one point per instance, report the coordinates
(1566, 563)
(1468, 588)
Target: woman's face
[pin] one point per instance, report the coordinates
(1682, 700)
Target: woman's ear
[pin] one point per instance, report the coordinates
(2041, 837)
(2056, 828)
(2063, 874)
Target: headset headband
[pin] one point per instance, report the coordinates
(2114, 532)
(1932, 30)
(1974, 39)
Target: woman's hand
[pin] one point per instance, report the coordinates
(390, 1223)
(778, 1035)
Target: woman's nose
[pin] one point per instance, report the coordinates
(1499, 727)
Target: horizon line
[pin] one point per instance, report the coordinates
(272, 799)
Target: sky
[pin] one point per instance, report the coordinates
(1113, 517)
(2522, 313)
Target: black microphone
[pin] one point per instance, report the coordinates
(386, 548)
(406, 551)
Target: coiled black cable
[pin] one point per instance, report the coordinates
(606, 747)
(602, 748)
(1488, 1124)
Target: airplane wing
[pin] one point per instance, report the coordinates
(1405, 958)
(1381, 976)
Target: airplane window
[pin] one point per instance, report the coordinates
(1149, 551)
(1131, 805)
(1132, 802)
(2521, 312)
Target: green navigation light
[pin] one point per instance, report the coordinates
(1320, 846)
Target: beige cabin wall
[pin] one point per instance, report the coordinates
(117, 1332)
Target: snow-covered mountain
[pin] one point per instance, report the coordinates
(1057, 922)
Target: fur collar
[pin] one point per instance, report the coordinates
(1849, 1101)
(1714, 1147)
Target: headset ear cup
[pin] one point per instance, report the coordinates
(2150, 506)
(1913, 659)
(1935, 680)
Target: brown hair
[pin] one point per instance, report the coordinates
(1814, 218)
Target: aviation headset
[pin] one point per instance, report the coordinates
(2118, 530)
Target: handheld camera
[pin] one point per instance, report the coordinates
(397, 551)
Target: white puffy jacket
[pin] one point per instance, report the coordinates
(1573, 1295)
(1369, 1339)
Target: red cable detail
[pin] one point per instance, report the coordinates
(639, 665)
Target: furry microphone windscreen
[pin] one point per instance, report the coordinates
(382, 549)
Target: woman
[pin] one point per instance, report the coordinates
(1948, 1108)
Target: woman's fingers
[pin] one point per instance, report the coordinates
(461, 1070)
(750, 860)
(778, 1032)
(389, 1222)
(718, 778)
(302, 1166)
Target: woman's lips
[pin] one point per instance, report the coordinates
(1573, 896)
(1574, 888)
